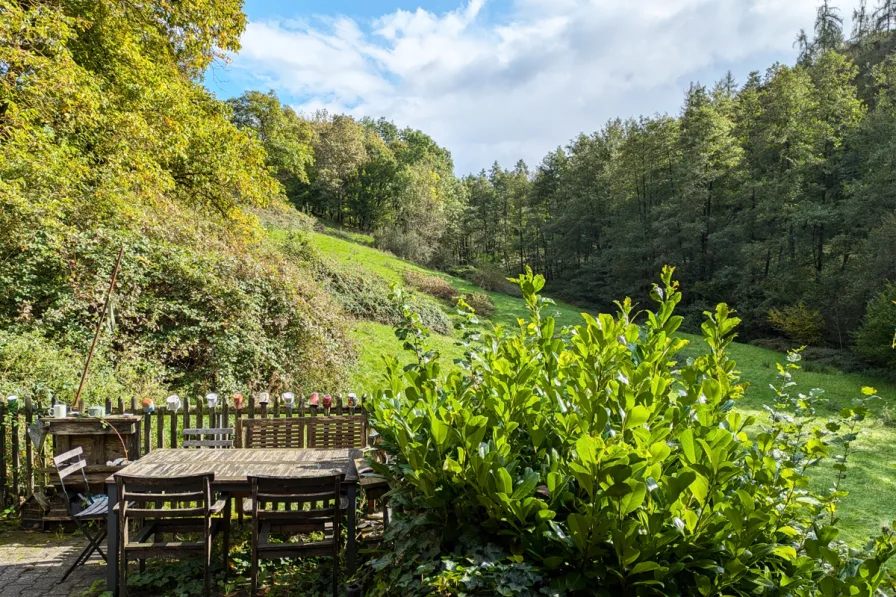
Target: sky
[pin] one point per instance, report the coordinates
(503, 80)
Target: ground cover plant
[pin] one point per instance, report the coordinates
(595, 460)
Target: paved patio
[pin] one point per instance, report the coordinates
(31, 564)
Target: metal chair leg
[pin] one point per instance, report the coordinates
(93, 544)
(82, 557)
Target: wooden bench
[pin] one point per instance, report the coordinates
(271, 433)
(341, 431)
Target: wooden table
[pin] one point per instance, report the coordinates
(232, 468)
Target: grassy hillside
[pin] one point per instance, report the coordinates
(872, 477)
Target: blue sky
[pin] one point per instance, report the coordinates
(504, 79)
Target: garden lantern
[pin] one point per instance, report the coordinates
(327, 401)
(173, 402)
(211, 400)
(264, 398)
(352, 400)
(238, 401)
(314, 399)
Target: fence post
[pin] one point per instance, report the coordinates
(29, 450)
(172, 433)
(160, 429)
(14, 457)
(186, 422)
(199, 402)
(2, 454)
(147, 432)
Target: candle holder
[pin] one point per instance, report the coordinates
(238, 401)
(352, 400)
(148, 405)
(314, 399)
(327, 401)
(211, 400)
(173, 402)
(264, 398)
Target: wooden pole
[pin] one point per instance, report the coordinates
(2, 455)
(99, 326)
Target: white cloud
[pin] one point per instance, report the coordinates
(517, 88)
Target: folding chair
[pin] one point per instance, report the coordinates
(84, 508)
(319, 509)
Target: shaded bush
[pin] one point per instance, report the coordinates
(874, 340)
(600, 463)
(30, 364)
(776, 344)
(365, 296)
(798, 323)
(834, 358)
(481, 303)
(282, 216)
(488, 277)
(432, 285)
(201, 306)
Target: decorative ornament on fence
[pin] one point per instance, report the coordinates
(173, 402)
(289, 399)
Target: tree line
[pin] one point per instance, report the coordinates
(776, 195)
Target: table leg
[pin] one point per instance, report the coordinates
(352, 532)
(112, 534)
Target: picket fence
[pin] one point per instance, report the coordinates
(24, 466)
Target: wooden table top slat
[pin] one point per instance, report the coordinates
(235, 465)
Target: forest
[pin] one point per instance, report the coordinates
(776, 194)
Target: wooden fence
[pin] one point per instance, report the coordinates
(24, 466)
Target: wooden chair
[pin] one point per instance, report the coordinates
(375, 488)
(83, 507)
(347, 431)
(169, 505)
(319, 509)
(271, 433)
(208, 438)
(350, 431)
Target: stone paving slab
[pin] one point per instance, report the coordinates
(31, 564)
